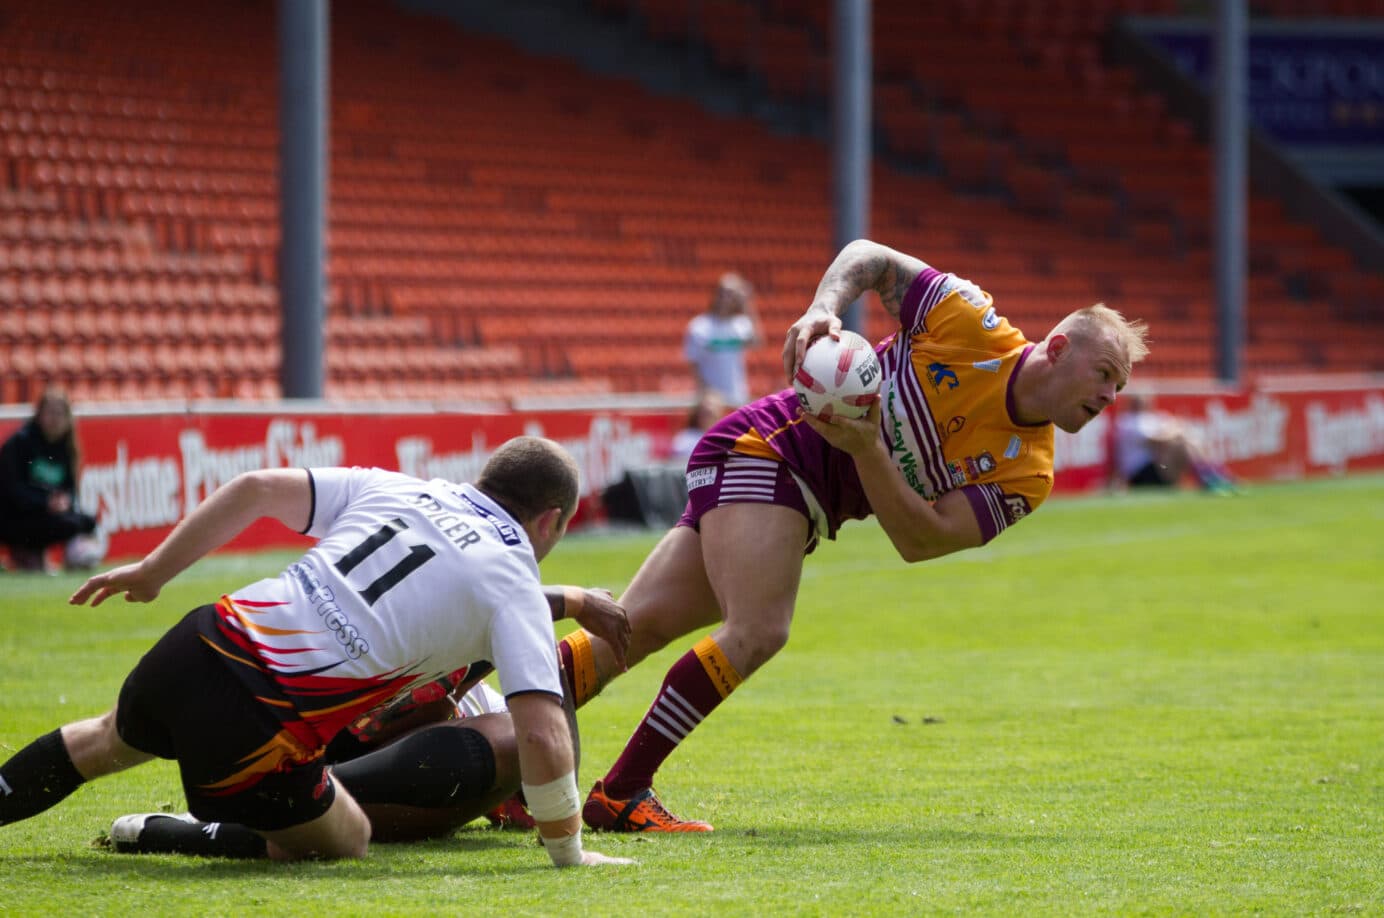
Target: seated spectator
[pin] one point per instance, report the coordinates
(1153, 449)
(38, 489)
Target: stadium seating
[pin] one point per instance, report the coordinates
(504, 225)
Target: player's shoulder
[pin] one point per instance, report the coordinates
(968, 316)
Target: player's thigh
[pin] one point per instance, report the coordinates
(342, 831)
(753, 558)
(670, 595)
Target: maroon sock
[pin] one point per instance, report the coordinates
(687, 696)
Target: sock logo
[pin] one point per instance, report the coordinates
(5, 787)
(210, 830)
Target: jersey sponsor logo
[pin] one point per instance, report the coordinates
(324, 603)
(991, 320)
(1017, 507)
(700, 478)
(958, 477)
(938, 373)
(989, 366)
(903, 457)
(977, 466)
(1014, 448)
(509, 534)
(954, 426)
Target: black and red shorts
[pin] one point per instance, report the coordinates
(183, 701)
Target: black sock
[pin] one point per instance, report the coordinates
(441, 766)
(171, 835)
(37, 777)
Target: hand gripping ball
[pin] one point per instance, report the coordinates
(838, 376)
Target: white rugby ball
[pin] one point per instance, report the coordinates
(838, 376)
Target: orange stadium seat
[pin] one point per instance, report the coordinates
(141, 217)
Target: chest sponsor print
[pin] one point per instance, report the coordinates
(939, 374)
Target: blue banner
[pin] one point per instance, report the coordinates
(1305, 88)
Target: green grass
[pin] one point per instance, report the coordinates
(1141, 705)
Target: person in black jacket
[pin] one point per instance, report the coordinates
(38, 484)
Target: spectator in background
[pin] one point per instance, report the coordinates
(716, 340)
(1153, 449)
(709, 408)
(38, 489)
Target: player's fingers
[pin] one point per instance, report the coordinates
(619, 644)
(791, 357)
(80, 594)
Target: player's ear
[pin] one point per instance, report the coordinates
(1058, 345)
(549, 522)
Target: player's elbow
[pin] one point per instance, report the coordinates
(916, 551)
(912, 554)
(251, 488)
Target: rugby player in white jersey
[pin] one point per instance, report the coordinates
(410, 581)
(421, 767)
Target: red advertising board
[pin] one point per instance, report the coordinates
(143, 471)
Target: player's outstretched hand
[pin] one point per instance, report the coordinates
(137, 583)
(816, 322)
(593, 859)
(850, 435)
(604, 617)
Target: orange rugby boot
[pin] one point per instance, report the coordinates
(640, 813)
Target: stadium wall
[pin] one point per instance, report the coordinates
(144, 468)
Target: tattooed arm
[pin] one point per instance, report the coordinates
(863, 265)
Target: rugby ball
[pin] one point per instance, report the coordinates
(838, 377)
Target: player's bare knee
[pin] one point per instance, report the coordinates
(757, 642)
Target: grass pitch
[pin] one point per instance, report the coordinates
(1166, 704)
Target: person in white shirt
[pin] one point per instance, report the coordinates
(409, 582)
(716, 341)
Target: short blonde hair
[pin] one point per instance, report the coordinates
(1087, 324)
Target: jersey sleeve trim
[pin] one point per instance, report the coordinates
(533, 691)
(924, 293)
(986, 503)
(312, 503)
(995, 509)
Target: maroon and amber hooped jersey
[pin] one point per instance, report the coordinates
(948, 405)
(947, 416)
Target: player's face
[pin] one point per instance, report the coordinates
(1089, 374)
